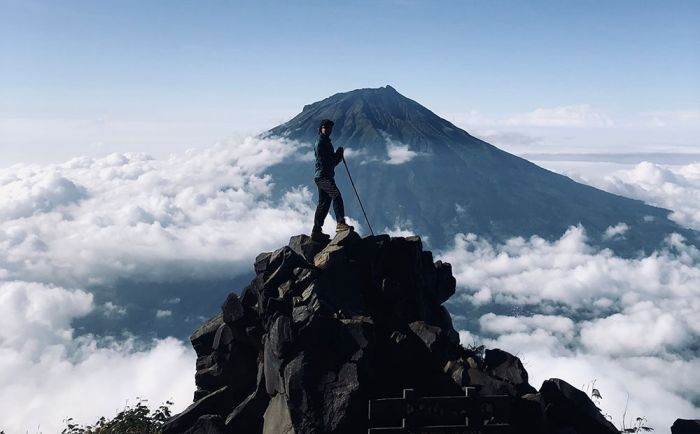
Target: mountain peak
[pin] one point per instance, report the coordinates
(369, 119)
(419, 172)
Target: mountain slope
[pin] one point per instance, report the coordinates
(416, 170)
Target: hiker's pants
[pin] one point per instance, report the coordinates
(328, 192)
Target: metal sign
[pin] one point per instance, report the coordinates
(468, 414)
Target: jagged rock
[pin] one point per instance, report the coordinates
(277, 344)
(278, 269)
(509, 368)
(215, 404)
(306, 247)
(444, 321)
(206, 361)
(489, 385)
(345, 238)
(427, 333)
(685, 426)
(232, 309)
(211, 377)
(446, 283)
(273, 367)
(261, 262)
(327, 256)
(529, 414)
(223, 338)
(457, 370)
(200, 393)
(322, 329)
(203, 337)
(277, 417)
(247, 417)
(568, 407)
(208, 424)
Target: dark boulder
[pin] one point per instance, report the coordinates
(508, 368)
(208, 424)
(232, 309)
(247, 417)
(569, 408)
(214, 404)
(203, 338)
(306, 247)
(686, 426)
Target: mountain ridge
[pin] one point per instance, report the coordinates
(451, 182)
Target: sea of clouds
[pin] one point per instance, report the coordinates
(66, 227)
(584, 315)
(626, 323)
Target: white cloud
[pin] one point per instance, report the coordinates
(631, 324)
(34, 315)
(673, 187)
(510, 139)
(581, 115)
(23, 196)
(112, 310)
(397, 152)
(616, 232)
(164, 313)
(47, 374)
(672, 118)
(570, 272)
(398, 232)
(641, 329)
(52, 139)
(201, 214)
(500, 324)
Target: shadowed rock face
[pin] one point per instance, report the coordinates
(324, 328)
(686, 426)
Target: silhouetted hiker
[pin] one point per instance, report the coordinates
(326, 160)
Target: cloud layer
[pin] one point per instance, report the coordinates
(203, 214)
(581, 115)
(569, 310)
(573, 312)
(47, 374)
(673, 187)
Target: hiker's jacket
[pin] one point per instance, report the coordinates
(326, 157)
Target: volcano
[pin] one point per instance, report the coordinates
(417, 171)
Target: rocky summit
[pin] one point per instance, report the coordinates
(350, 336)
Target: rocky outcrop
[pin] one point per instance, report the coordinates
(323, 328)
(686, 426)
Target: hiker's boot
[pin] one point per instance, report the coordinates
(318, 236)
(342, 226)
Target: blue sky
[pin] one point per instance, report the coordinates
(85, 77)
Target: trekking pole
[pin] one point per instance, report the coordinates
(358, 196)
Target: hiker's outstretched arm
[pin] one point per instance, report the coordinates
(339, 155)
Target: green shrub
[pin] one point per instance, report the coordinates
(136, 419)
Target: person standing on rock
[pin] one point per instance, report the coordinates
(326, 160)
